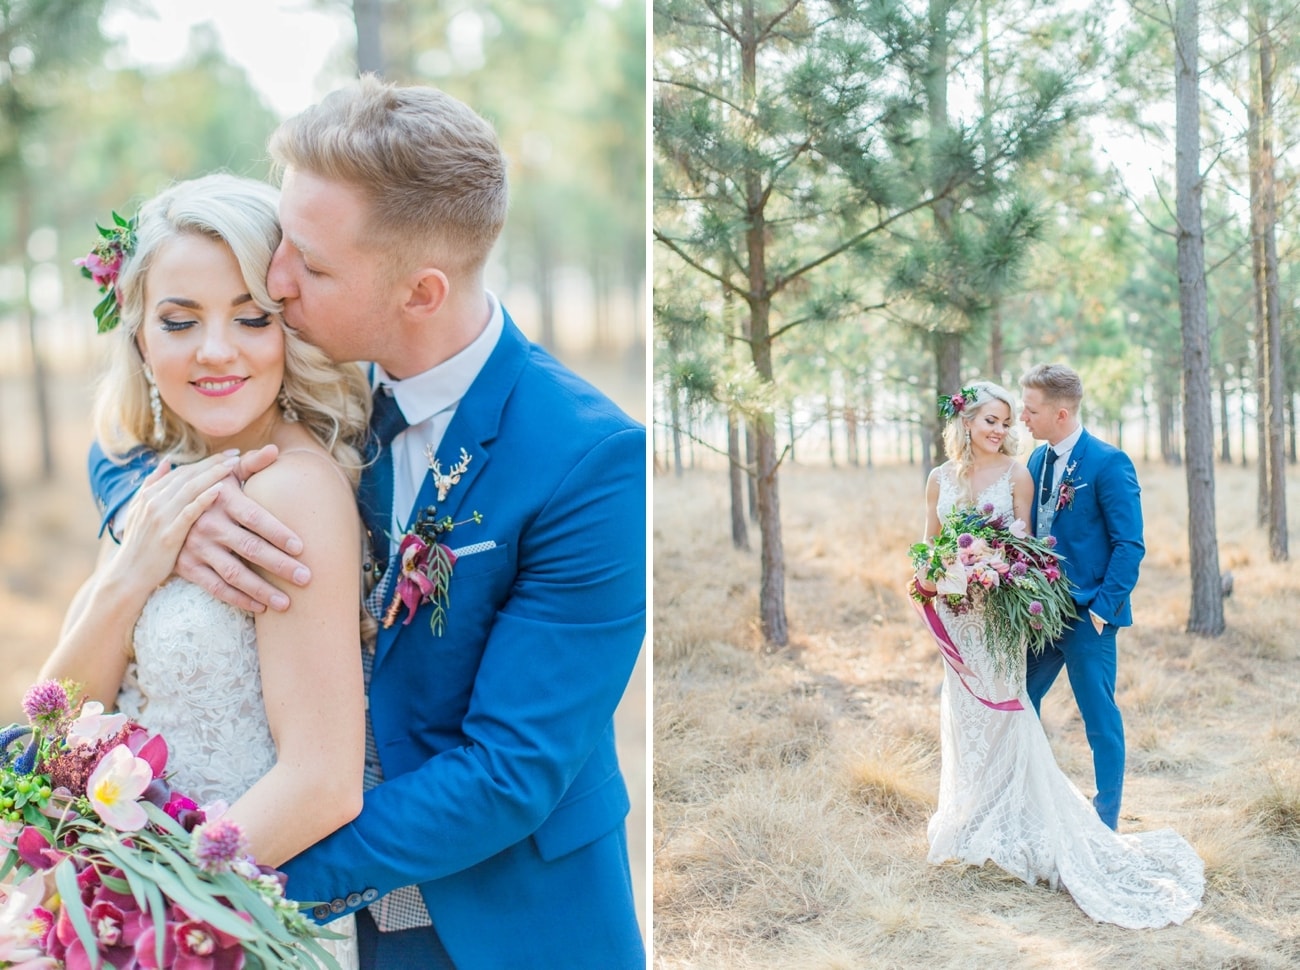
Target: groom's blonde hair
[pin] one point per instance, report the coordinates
(430, 168)
(1060, 384)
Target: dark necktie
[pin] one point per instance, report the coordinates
(375, 493)
(1049, 466)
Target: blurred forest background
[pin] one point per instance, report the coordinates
(860, 206)
(86, 128)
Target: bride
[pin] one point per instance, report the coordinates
(1002, 797)
(265, 711)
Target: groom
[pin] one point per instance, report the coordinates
(493, 833)
(1087, 497)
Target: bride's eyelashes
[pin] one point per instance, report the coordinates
(254, 323)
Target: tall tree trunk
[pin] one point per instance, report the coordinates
(40, 383)
(544, 280)
(851, 434)
(368, 15)
(736, 476)
(1277, 532)
(771, 592)
(830, 430)
(1254, 111)
(947, 344)
(751, 462)
(1206, 615)
(1225, 442)
(675, 416)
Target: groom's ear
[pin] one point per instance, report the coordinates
(428, 291)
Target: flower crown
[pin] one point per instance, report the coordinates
(103, 264)
(951, 406)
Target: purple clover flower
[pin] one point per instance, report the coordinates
(218, 844)
(1035, 608)
(46, 703)
(1018, 569)
(987, 508)
(965, 539)
(1051, 542)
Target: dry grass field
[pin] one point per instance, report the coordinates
(792, 789)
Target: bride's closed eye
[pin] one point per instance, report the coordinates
(256, 322)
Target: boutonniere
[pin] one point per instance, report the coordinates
(424, 562)
(1066, 491)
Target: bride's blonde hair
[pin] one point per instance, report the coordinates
(332, 400)
(956, 434)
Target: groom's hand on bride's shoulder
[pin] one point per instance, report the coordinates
(234, 535)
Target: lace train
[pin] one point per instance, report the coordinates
(1003, 799)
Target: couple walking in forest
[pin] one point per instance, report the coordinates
(1002, 797)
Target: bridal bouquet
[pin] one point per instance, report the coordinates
(982, 561)
(104, 865)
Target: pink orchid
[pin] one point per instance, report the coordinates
(953, 581)
(117, 781)
(94, 725)
(35, 849)
(23, 923)
(415, 586)
(1019, 529)
(9, 832)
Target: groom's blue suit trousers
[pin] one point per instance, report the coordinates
(1089, 661)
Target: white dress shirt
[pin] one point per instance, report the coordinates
(429, 401)
(1062, 449)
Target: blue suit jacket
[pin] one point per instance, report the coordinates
(502, 796)
(1100, 535)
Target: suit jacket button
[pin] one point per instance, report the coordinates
(337, 906)
(370, 895)
(354, 900)
(321, 912)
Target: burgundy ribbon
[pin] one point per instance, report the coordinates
(952, 656)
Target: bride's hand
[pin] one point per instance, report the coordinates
(168, 502)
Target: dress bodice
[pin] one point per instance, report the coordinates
(195, 679)
(955, 494)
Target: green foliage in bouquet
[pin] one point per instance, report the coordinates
(104, 864)
(981, 561)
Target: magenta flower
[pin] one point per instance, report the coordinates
(1051, 542)
(34, 848)
(117, 781)
(987, 508)
(102, 271)
(218, 844)
(1035, 608)
(189, 944)
(965, 539)
(1018, 569)
(46, 703)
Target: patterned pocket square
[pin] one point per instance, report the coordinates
(472, 549)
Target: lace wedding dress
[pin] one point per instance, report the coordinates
(195, 679)
(1003, 798)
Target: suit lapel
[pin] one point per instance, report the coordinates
(474, 425)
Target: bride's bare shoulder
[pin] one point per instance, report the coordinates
(1020, 475)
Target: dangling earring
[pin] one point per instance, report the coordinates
(968, 439)
(155, 405)
(286, 406)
